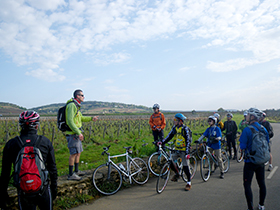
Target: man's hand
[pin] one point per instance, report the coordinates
(81, 137)
(159, 129)
(95, 118)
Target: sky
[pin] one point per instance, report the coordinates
(181, 54)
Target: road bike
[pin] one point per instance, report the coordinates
(178, 166)
(239, 152)
(107, 178)
(207, 160)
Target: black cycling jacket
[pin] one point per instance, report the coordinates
(11, 151)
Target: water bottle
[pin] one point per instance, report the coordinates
(121, 167)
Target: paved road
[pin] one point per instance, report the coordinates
(215, 194)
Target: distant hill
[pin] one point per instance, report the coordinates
(10, 109)
(88, 107)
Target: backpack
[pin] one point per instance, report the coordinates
(260, 149)
(153, 116)
(61, 118)
(30, 174)
(269, 128)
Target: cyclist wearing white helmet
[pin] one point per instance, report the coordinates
(231, 130)
(243, 123)
(250, 168)
(157, 123)
(183, 139)
(213, 134)
(219, 123)
(269, 129)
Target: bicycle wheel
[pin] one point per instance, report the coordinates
(107, 179)
(192, 167)
(155, 163)
(163, 178)
(205, 168)
(239, 155)
(140, 168)
(200, 151)
(226, 161)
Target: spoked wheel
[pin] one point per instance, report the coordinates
(107, 179)
(226, 161)
(200, 150)
(155, 163)
(192, 163)
(163, 178)
(240, 154)
(140, 168)
(205, 168)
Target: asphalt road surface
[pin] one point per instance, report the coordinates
(216, 193)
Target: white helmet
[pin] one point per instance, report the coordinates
(255, 112)
(217, 115)
(229, 115)
(213, 118)
(245, 113)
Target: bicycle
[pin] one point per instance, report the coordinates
(239, 152)
(165, 170)
(107, 178)
(159, 158)
(206, 166)
(200, 148)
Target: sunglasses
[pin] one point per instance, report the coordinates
(82, 95)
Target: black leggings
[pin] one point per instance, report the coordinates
(231, 143)
(44, 201)
(248, 173)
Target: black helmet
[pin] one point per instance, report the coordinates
(29, 119)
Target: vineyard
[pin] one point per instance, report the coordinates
(118, 131)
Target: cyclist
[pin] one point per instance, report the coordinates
(157, 123)
(250, 168)
(213, 134)
(29, 123)
(231, 130)
(219, 123)
(183, 139)
(243, 123)
(269, 129)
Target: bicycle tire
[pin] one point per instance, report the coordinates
(205, 168)
(239, 155)
(163, 178)
(226, 161)
(200, 151)
(192, 163)
(142, 176)
(107, 179)
(155, 163)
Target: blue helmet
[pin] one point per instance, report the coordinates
(180, 116)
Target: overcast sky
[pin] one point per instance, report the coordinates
(182, 54)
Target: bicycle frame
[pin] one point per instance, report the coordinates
(209, 154)
(128, 160)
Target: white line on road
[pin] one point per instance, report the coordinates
(272, 172)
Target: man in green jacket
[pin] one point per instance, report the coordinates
(74, 119)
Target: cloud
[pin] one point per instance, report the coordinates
(46, 74)
(184, 69)
(231, 65)
(47, 32)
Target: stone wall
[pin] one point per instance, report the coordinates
(66, 188)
